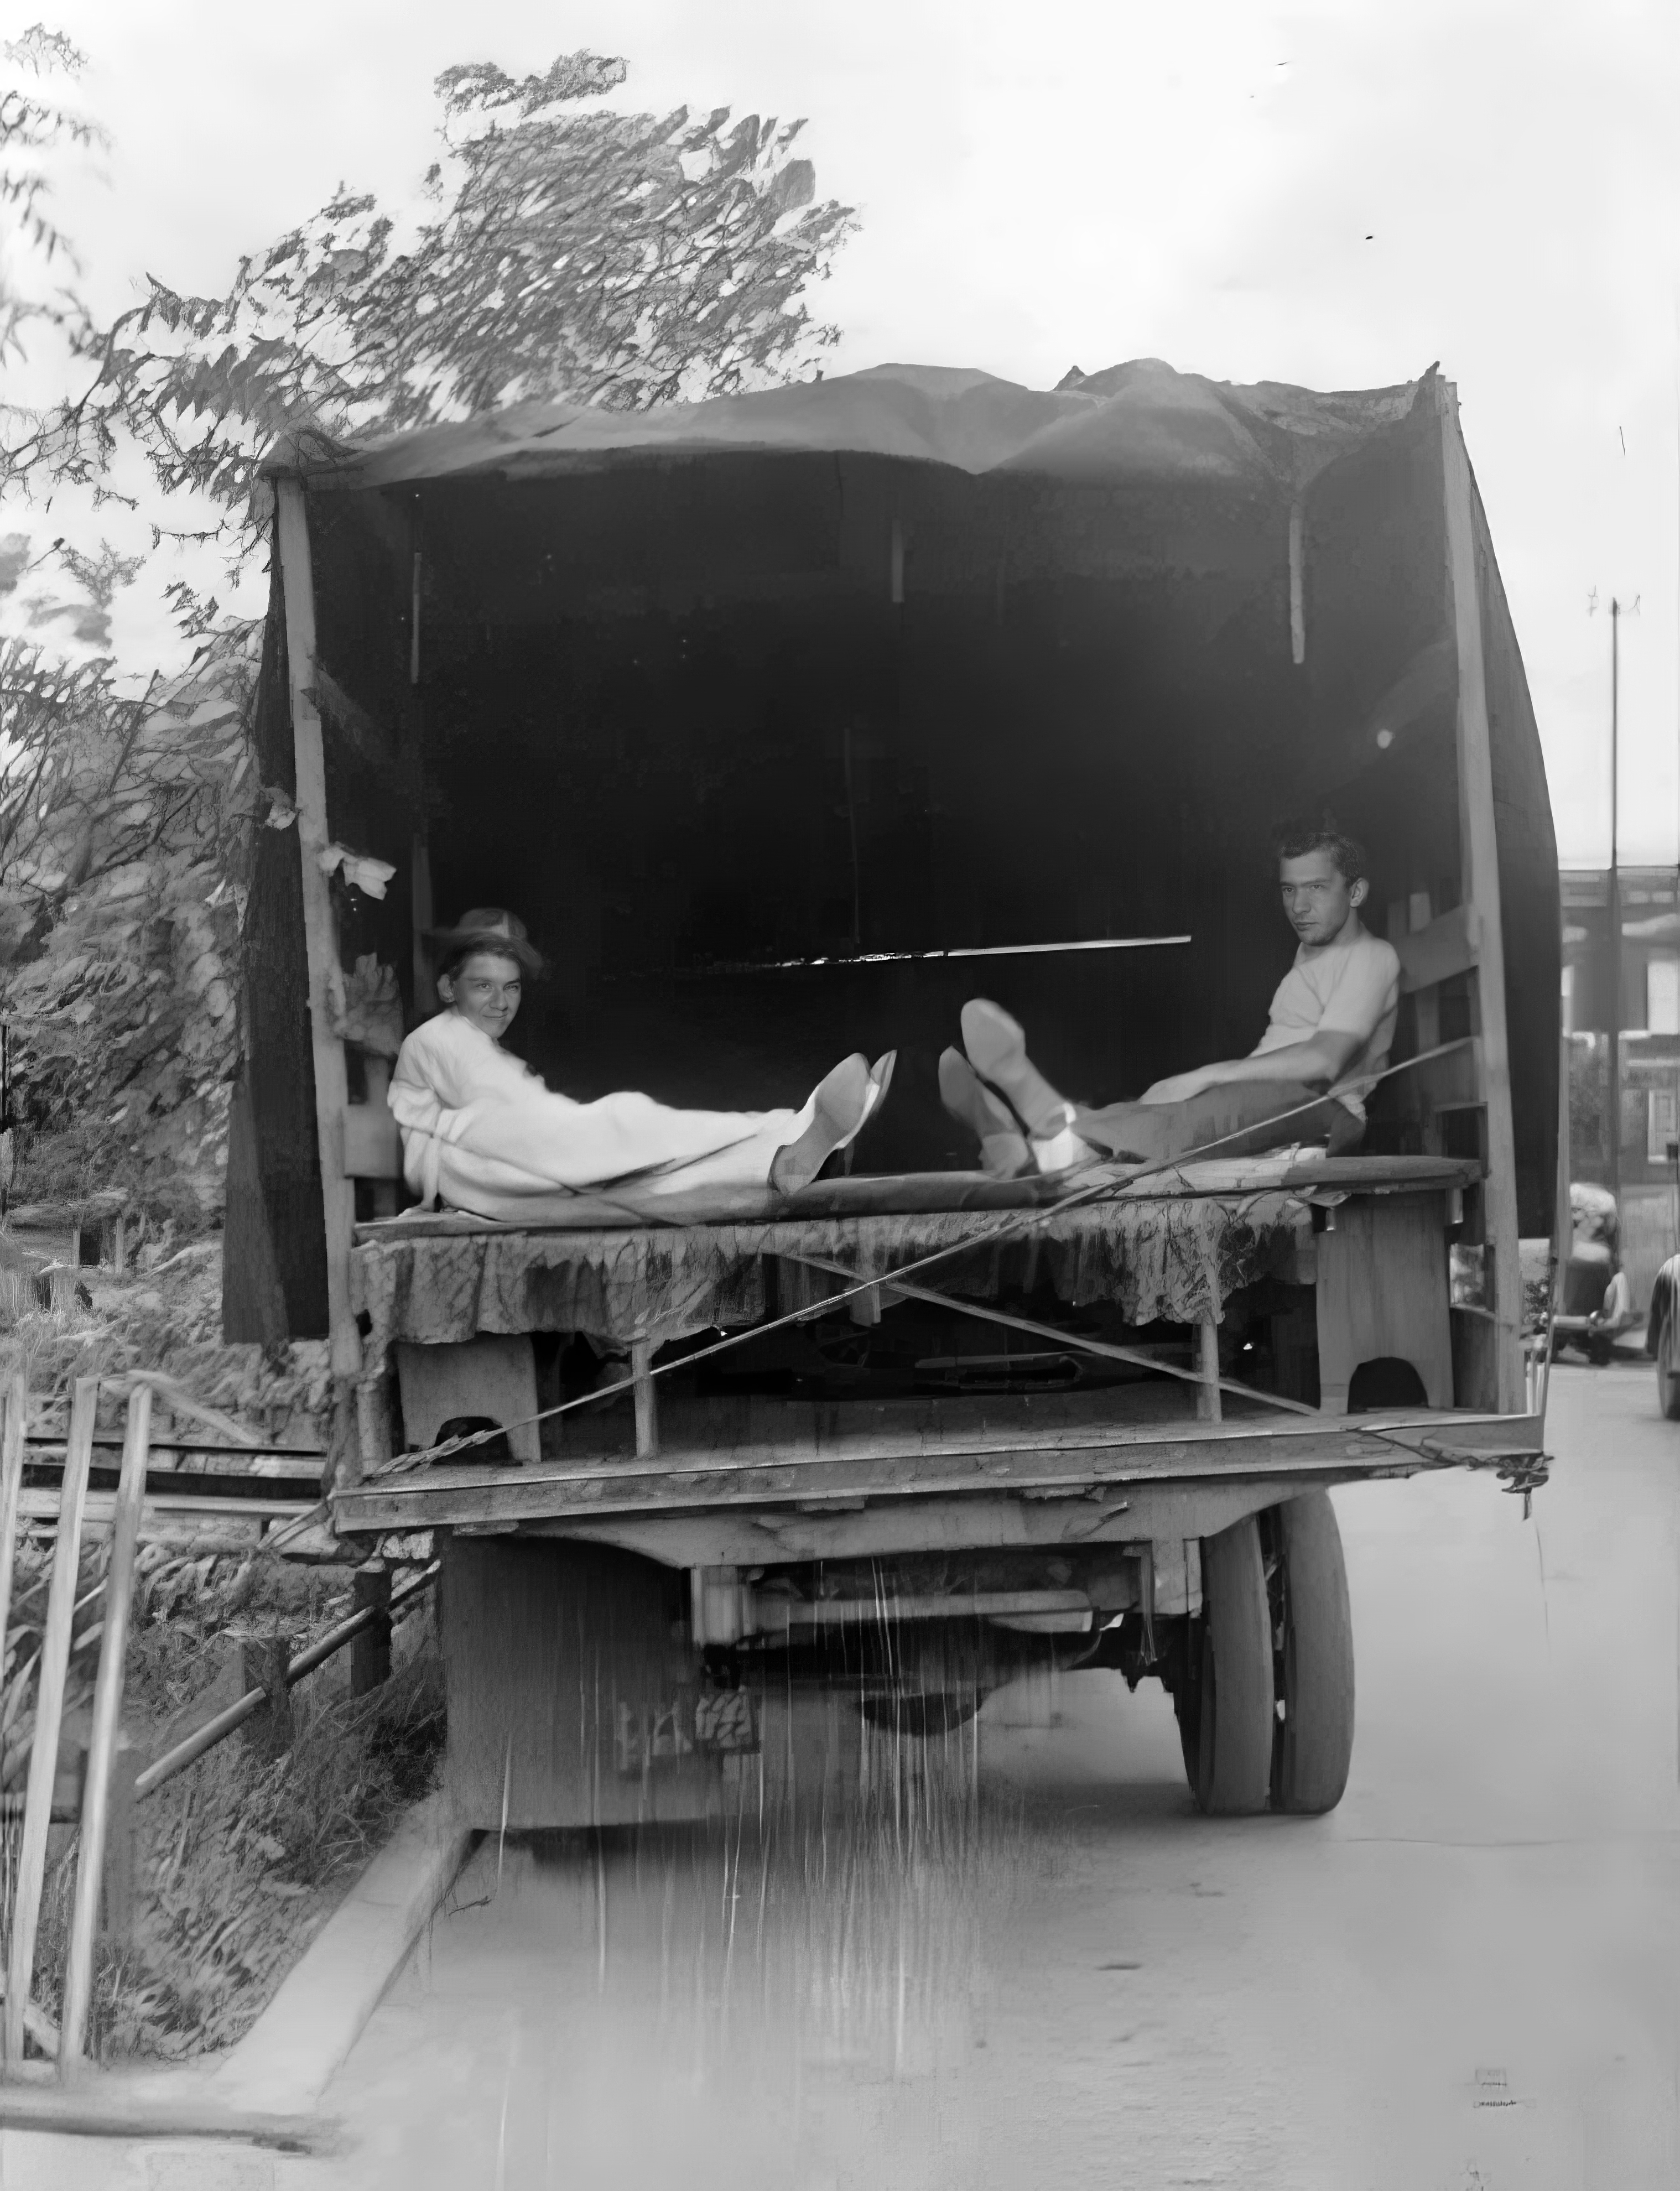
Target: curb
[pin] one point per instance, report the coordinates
(296, 2047)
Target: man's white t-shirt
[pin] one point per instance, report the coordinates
(1350, 987)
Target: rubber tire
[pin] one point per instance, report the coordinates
(1668, 1372)
(1315, 1674)
(1238, 1712)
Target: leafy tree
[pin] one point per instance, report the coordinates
(580, 254)
(34, 126)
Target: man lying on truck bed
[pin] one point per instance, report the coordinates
(1330, 1030)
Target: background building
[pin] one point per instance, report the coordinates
(1648, 1017)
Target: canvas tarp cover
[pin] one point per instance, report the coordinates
(1139, 422)
(1176, 1258)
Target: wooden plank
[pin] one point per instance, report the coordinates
(119, 1590)
(817, 1443)
(423, 917)
(861, 1199)
(1450, 945)
(1383, 1293)
(645, 1397)
(13, 1449)
(1207, 1362)
(1480, 854)
(443, 1501)
(49, 1716)
(332, 1095)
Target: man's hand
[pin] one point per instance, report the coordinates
(1179, 1089)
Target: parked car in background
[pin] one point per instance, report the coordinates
(1662, 1336)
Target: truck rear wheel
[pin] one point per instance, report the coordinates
(1313, 1640)
(1226, 1720)
(1668, 1370)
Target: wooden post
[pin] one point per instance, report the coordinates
(331, 1091)
(264, 1662)
(420, 901)
(1208, 1398)
(119, 1590)
(646, 1399)
(43, 1757)
(12, 1451)
(1479, 852)
(370, 1652)
(121, 1855)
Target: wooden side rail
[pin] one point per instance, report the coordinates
(1448, 945)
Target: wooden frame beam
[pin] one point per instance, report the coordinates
(1479, 854)
(331, 1091)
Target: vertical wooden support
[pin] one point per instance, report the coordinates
(332, 1093)
(120, 1855)
(43, 1756)
(646, 1398)
(119, 1589)
(264, 1661)
(12, 1451)
(1479, 852)
(1297, 584)
(1209, 1408)
(370, 1651)
(424, 916)
(377, 1073)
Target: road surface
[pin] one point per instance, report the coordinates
(1032, 1963)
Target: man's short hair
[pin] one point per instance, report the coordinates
(1293, 841)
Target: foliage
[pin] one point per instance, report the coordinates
(163, 1316)
(124, 831)
(242, 1856)
(589, 255)
(32, 128)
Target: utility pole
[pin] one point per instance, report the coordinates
(1615, 907)
(1613, 1136)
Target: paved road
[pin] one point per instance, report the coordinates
(1465, 1978)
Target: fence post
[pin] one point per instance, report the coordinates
(263, 1664)
(12, 1451)
(43, 1759)
(121, 1852)
(119, 1590)
(370, 1652)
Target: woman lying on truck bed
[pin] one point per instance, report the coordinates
(482, 1130)
(1327, 1036)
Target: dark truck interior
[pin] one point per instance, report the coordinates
(735, 733)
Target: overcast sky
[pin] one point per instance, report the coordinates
(1333, 195)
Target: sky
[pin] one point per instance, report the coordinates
(1334, 195)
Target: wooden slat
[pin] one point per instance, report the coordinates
(1449, 946)
(119, 1590)
(1480, 854)
(915, 1195)
(13, 1449)
(509, 1497)
(324, 975)
(48, 1716)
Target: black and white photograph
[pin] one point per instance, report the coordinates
(839, 1095)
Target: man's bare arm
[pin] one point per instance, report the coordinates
(1320, 1061)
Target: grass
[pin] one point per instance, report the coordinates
(242, 1857)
